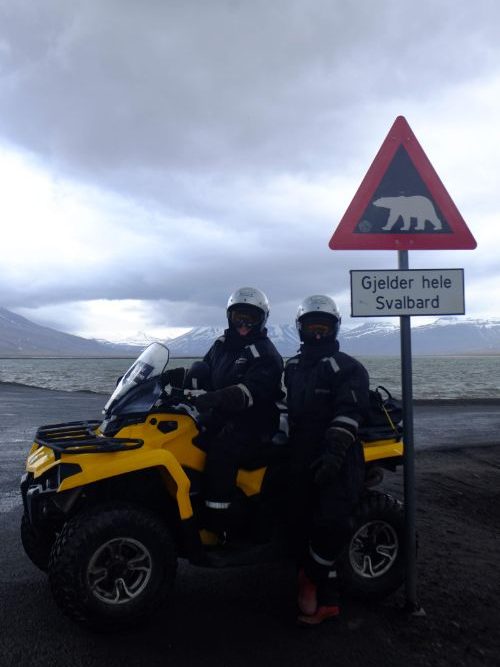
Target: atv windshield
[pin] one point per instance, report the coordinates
(149, 365)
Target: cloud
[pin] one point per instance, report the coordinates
(155, 156)
(195, 86)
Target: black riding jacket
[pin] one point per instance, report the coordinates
(325, 388)
(256, 366)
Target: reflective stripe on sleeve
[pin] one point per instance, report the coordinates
(247, 393)
(254, 350)
(332, 363)
(346, 420)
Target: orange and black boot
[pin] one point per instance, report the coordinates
(327, 605)
(307, 598)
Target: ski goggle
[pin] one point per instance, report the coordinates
(317, 329)
(315, 325)
(244, 317)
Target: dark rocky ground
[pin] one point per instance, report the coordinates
(458, 522)
(246, 616)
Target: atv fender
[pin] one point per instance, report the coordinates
(99, 467)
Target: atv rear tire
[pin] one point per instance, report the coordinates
(112, 565)
(372, 565)
(36, 545)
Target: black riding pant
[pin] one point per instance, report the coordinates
(228, 450)
(322, 515)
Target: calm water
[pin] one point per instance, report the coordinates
(433, 377)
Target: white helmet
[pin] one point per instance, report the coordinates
(322, 305)
(249, 296)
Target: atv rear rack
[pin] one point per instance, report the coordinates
(81, 438)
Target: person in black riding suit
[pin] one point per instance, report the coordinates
(327, 397)
(242, 375)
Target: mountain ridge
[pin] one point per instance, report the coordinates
(19, 337)
(445, 336)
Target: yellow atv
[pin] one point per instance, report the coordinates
(110, 506)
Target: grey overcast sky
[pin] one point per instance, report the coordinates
(157, 154)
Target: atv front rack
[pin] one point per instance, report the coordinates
(81, 438)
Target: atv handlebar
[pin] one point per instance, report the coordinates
(181, 399)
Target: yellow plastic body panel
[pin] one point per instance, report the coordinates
(383, 449)
(250, 481)
(169, 451)
(40, 459)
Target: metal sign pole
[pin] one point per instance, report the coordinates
(409, 454)
(402, 204)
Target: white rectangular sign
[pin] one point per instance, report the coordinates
(407, 292)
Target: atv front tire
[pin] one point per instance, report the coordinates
(36, 545)
(372, 565)
(112, 565)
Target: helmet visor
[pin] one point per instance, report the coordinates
(320, 329)
(315, 326)
(245, 316)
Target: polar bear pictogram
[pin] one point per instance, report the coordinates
(416, 206)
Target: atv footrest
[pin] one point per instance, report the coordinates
(81, 438)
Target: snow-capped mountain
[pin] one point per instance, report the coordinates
(447, 335)
(454, 335)
(371, 339)
(140, 339)
(444, 336)
(195, 343)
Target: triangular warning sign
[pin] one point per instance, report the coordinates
(401, 203)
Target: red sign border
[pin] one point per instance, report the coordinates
(344, 237)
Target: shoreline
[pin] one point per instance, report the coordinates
(457, 401)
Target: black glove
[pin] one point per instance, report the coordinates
(229, 399)
(198, 376)
(173, 377)
(326, 467)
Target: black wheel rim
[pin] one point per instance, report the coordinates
(119, 571)
(373, 549)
